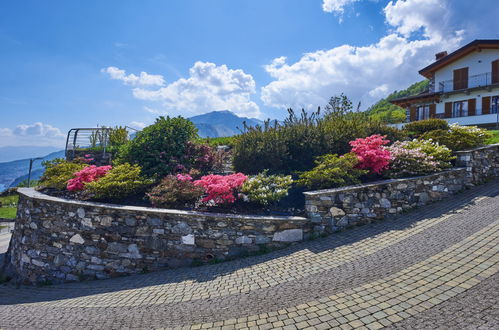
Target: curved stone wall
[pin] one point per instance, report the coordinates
(61, 240)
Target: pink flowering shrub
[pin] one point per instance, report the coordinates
(88, 174)
(372, 153)
(221, 188)
(184, 177)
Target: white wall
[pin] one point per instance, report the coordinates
(478, 94)
(477, 62)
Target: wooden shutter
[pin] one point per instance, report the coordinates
(471, 107)
(433, 110)
(485, 105)
(413, 116)
(448, 110)
(495, 72)
(460, 78)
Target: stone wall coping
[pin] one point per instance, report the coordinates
(490, 146)
(34, 194)
(377, 183)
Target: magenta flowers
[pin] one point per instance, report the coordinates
(221, 188)
(371, 153)
(88, 174)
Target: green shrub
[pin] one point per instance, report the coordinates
(292, 146)
(440, 153)
(417, 128)
(494, 137)
(267, 189)
(118, 136)
(58, 172)
(158, 147)
(459, 137)
(332, 171)
(120, 182)
(219, 141)
(174, 192)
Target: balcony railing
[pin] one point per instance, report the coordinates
(478, 80)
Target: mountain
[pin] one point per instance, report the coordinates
(17, 170)
(391, 113)
(8, 154)
(221, 123)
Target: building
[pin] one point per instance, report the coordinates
(463, 88)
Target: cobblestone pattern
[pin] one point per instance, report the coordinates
(58, 240)
(427, 260)
(481, 164)
(338, 208)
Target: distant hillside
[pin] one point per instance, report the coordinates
(8, 154)
(11, 172)
(391, 113)
(221, 123)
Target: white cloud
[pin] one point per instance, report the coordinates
(209, 87)
(336, 6)
(143, 79)
(417, 30)
(138, 124)
(412, 15)
(37, 134)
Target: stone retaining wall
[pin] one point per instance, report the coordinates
(59, 240)
(481, 164)
(339, 208)
(336, 209)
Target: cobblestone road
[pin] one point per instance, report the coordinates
(433, 268)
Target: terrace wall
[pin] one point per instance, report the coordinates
(62, 240)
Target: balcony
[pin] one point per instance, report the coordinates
(478, 80)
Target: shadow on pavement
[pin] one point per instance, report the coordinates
(210, 272)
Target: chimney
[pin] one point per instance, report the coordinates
(440, 55)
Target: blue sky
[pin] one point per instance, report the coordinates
(70, 64)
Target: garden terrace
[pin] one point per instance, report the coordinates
(66, 240)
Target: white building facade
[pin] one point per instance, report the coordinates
(464, 87)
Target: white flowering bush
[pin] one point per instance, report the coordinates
(410, 162)
(440, 153)
(266, 189)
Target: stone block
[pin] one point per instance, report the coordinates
(188, 239)
(244, 240)
(182, 229)
(77, 239)
(289, 235)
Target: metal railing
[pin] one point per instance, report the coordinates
(87, 138)
(478, 80)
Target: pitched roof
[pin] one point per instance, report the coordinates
(463, 51)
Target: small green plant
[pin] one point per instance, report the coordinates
(175, 191)
(417, 128)
(332, 171)
(58, 172)
(459, 137)
(267, 189)
(119, 182)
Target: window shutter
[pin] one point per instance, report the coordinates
(448, 110)
(495, 72)
(460, 79)
(413, 114)
(433, 110)
(485, 105)
(471, 107)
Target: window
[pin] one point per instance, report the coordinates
(494, 104)
(460, 109)
(423, 112)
